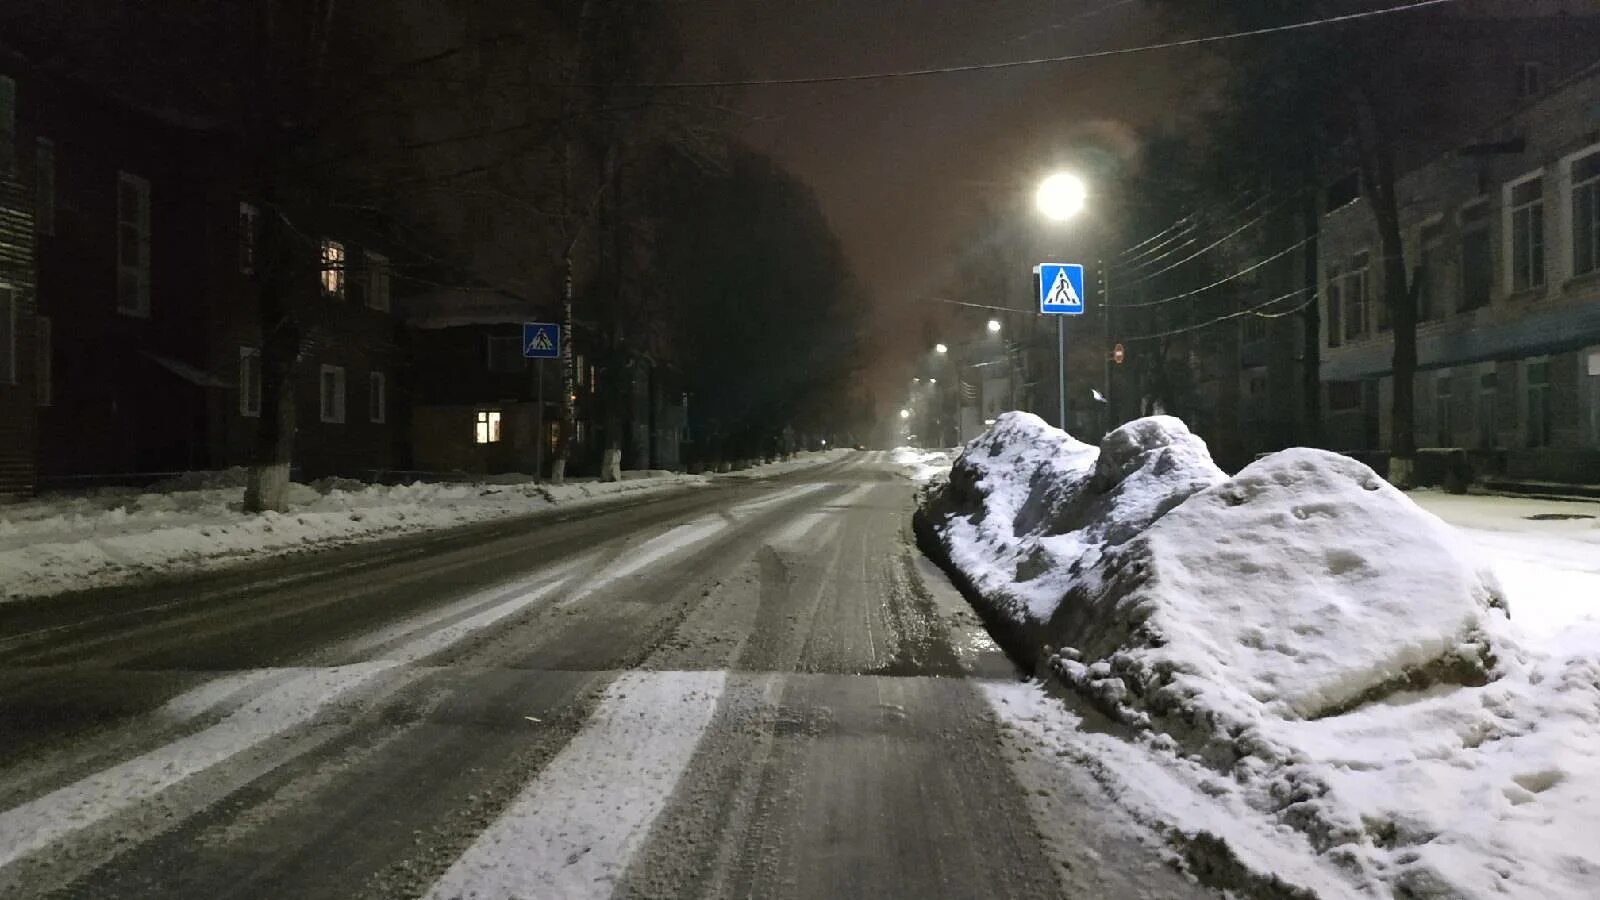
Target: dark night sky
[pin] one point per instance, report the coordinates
(901, 166)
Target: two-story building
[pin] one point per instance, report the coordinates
(1503, 238)
(144, 358)
(24, 337)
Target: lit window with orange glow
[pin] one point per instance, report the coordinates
(333, 260)
(488, 431)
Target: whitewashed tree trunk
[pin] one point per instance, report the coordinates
(611, 466)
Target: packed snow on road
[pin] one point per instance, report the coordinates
(76, 541)
(1308, 668)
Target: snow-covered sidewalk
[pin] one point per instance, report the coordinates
(70, 542)
(1319, 683)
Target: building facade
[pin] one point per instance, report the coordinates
(1502, 236)
(24, 336)
(144, 356)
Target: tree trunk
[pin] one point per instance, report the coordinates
(569, 387)
(1378, 173)
(267, 484)
(1311, 328)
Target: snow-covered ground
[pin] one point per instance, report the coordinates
(70, 542)
(1310, 667)
(922, 466)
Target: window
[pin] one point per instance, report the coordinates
(1430, 271)
(1477, 259)
(333, 262)
(1538, 397)
(504, 354)
(1530, 79)
(1344, 396)
(249, 382)
(332, 394)
(377, 397)
(1586, 213)
(1443, 420)
(1525, 219)
(249, 229)
(43, 370)
(8, 335)
(133, 245)
(488, 431)
(1335, 307)
(1355, 297)
(1488, 397)
(8, 125)
(378, 282)
(44, 187)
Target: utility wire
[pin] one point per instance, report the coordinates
(1221, 281)
(1193, 223)
(1014, 63)
(1206, 249)
(1249, 311)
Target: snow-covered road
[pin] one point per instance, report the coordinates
(754, 689)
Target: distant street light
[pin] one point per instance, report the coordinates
(933, 381)
(994, 326)
(940, 348)
(1062, 196)
(905, 413)
(916, 381)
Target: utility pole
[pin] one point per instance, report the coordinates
(1105, 301)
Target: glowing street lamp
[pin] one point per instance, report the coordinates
(905, 413)
(994, 326)
(940, 348)
(1061, 196)
(933, 381)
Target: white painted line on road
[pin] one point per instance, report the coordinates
(515, 596)
(571, 833)
(648, 553)
(744, 510)
(43, 820)
(853, 496)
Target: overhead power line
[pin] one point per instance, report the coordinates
(1018, 63)
(1255, 310)
(1221, 281)
(1160, 252)
(1207, 248)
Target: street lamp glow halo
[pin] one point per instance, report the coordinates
(940, 348)
(1061, 196)
(905, 413)
(994, 326)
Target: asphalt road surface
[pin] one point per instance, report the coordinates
(753, 689)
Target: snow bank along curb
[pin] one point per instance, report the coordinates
(110, 537)
(1335, 656)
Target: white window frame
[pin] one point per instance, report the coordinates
(1526, 386)
(8, 352)
(1569, 188)
(44, 187)
(43, 361)
(8, 125)
(1508, 224)
(139, 270)
(1434, 223)
(378, 281)
(335, 260)
(336, 415)
(377, 398)
(250, 389)
(488, 427)
(249, 237)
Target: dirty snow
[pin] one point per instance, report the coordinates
(71, 542)
(1303, 646)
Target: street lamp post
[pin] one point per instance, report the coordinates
(1061, 197)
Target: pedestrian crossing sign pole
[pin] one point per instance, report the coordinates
(1061, 294)
(540, 341)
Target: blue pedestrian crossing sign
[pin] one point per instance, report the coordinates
(541, 340)
(1060, 289)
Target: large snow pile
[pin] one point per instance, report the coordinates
(1029, 510)
(72, 542)
(1302, 638)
